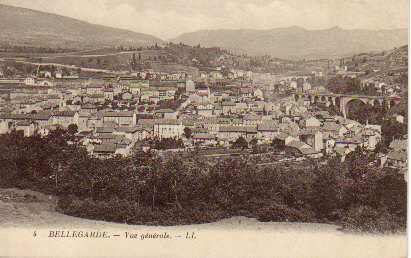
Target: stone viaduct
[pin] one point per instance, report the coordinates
(342, 100)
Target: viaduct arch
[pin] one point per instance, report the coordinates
(342, 100)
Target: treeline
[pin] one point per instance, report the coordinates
(185, 54)
(166, 143)
(377, 114)
(33, 49)
(347, 85)
(147, 189)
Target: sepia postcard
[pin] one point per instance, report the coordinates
(204, 128)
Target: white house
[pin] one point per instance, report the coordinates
(313, 137)
(205, 109)
(205, 139)
(190, 86)
(26, 126)
(267, 131)
(30, 81)
(65, 118)
(168, 128)
(122, 118)
(306, 86)
(310, 122)
(4, 127)
(258, 93)
(333, 130)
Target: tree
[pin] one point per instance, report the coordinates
(126, 189)
(392, 130)
(254, 141)
(187, 132)
(240, 143)
(168, 143)
(325, 192)
(72, 129)
(357, 164)
(344, 85)
(178, 93)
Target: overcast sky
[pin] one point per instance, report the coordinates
(169, 18)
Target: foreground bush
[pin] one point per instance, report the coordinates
(147, 189)
(367, 219)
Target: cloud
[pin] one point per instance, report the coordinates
(169, 18)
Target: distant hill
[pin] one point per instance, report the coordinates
(298, 43)
(398, 55)
(30, 27)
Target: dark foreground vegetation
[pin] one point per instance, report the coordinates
(147, 189)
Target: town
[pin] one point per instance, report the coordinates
(221, 110)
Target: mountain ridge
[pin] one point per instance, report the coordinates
(32, 27)
(295, 42)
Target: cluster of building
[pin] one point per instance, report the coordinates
(213, 118)
(115, 113)
(392, 89)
